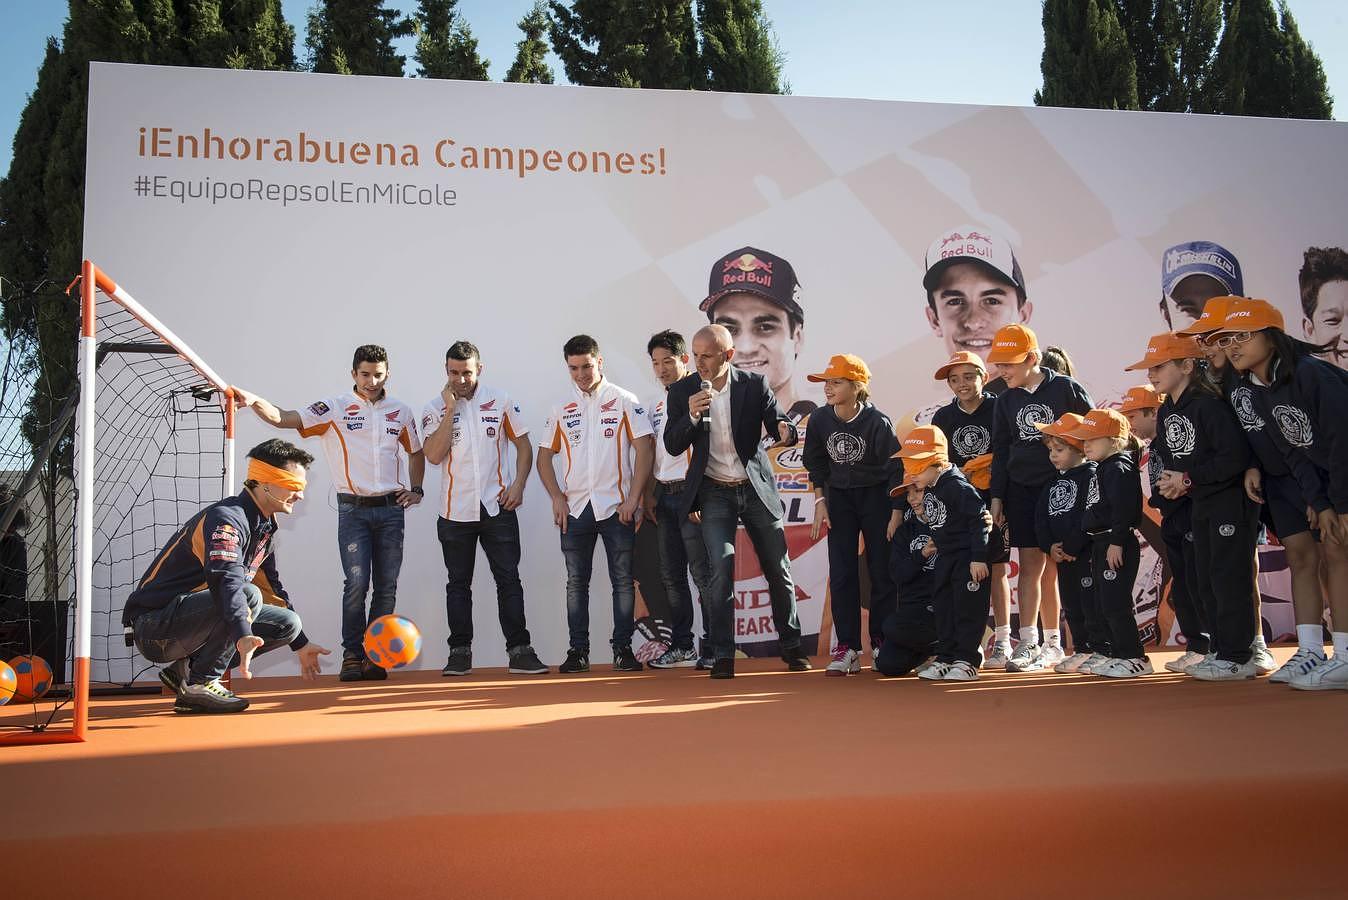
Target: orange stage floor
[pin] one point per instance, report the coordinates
(669, 784)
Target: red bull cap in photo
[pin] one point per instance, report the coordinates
(749, 270)
(971, 242)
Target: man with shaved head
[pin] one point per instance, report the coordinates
(722, 414)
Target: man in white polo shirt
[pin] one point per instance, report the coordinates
(605, 439)
(373, 452)
(470, 430)
(681, 547)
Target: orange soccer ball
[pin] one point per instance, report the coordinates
(392, 642)
(32, 677)
(8, 682)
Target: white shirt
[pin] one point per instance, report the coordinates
(723, 460)
(365, 443)
(667, 467)
(481, 459)
(596, 432)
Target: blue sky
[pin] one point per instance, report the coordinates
(977, 51)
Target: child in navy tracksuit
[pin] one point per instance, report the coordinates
(954, 513)
(1020, 470)
(967, 422)
(910, 630)
(1058, 524)
(1205, 456)
(1308, 400)
(848, 450)
(1113, 510)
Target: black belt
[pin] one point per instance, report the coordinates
(673, 487)
(358, 500)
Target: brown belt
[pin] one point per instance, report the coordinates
(728, 484)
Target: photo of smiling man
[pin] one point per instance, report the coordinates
(756, 296)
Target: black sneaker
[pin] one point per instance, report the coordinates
(371, 672)
(460, 661)
(352, 666)
(796, 660)
(723, 668)
(624, 660)
(524, 661)
(211, 697)
(576, 661)
(174, 675)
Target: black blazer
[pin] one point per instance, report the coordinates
(753, 408)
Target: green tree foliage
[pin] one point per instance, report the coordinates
(1263, 67)
(355, 37)
(530, 65)
(446, 47)
(739, 51)
(628, 43)
(1086, 61)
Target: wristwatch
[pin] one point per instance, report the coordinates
(416, 489)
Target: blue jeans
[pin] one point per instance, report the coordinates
(370, 541)
(500, 539)
(681, 551)
(191, 628)
(578, 549)
(722, 509)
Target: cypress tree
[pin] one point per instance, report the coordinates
(739, 51)
(1199, 22)
(530, 66)
(1086, 61)
(446, 47)
(627, 43)
(355, 37)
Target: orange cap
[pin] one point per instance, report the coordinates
(844, 365)
(1012, 344)
(1102, 423)
(962, 358)
(1144, 396)
(909, 479)
(1251, 315)
(979, 471)
(1062, 429)
(925, 442)
(1165, 348)
(1214, 311)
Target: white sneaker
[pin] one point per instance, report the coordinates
(1262, 659)
(1072, 663)
(1001, 652)
(1052, 653)
(1181, 664)
(1092, 662)
(1207, 658)
(846, 661)
(935, 671)
(1026, 658)
(1301, 662)
(1125, 668)
(1330, 675)
(1215, 669)
(960, 671)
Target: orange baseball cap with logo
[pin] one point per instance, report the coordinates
(844, 365)
(1144, 396)
(1062, 429)
(962, 358)
(1248, 314)
(1012, 344)
(1167, 347)
(1102, 423)
(1214, 311)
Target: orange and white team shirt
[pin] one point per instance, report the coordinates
(366, 444)
(481, 460)
(668, 467)
(594, 434)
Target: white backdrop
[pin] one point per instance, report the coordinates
(276, 295)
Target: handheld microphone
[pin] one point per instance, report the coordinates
(706, 415)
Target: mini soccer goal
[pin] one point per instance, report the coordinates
(92, 485)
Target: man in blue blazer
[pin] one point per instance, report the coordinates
(722, 413)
